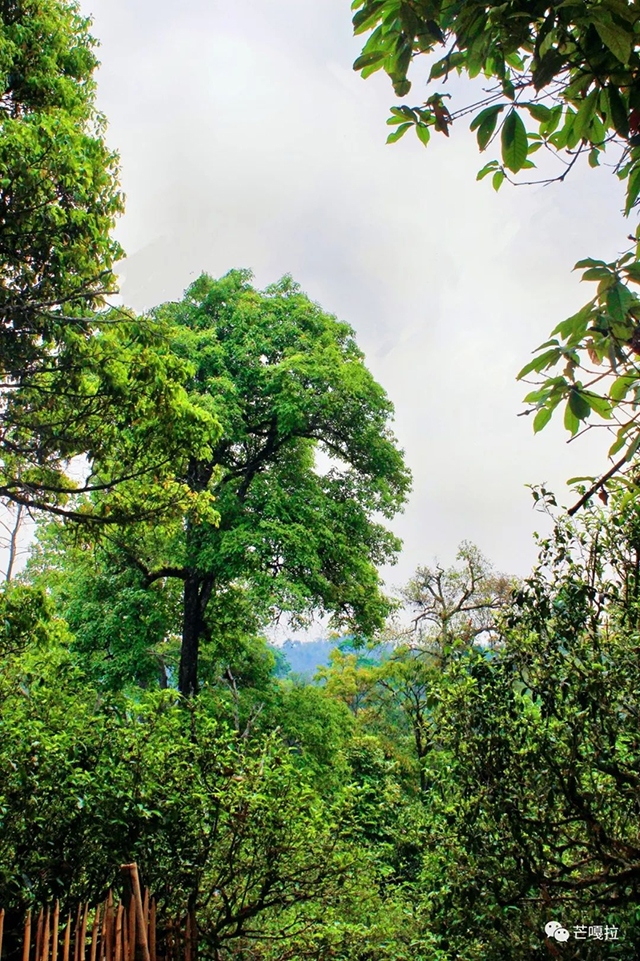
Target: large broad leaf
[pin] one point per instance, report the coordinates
(633, 190)
(585, 115)
(541, 419)
(368, 59)
(399, 132)
(617, 39)
(546, 68)
(486, 128)
(548, 359)
(618, 113)
(579, 404)
(514, 142)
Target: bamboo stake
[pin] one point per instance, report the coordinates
(27, 937)
(125, 934)
(118, 938)
(94, 934)
(109, 922)
(131, 931)
(152, 930)
(76, 946)
(46, 935)
(39, 934)
(67, 939)
(54, 940)
(103, 932)
(145, 908)
(1, 929)
(83, 932)
(137, 912)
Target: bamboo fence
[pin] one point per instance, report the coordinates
(115, 930)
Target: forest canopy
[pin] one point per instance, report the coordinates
(460, 778)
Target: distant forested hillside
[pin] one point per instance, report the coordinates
(305, 657)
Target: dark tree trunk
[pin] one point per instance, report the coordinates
(191, 630)
(197, 591)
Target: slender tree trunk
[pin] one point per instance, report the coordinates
(13, 543)
(421, 752)
(191, 630)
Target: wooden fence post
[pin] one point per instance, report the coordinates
(67, 939)
(26, 945)
(54, 939)
(137, 913)
(46, 936)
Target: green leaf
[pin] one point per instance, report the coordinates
(487, 169)
(444, 66)
(585, 115)
(404, 112)
(633, 448)
(548, 359)
(552, 123)
(485, 115)
(401, 87)
(485, 131)
(589, 262)
(545, 69)
(615, 305)
(514, 142)
(633, 272)
(621, 438)
(368, 17)
(576, 323)
(423, 133)
(498, 179)
(618, 113)
(598, 404)
(560, 138)
(621, 386)
(541, 419)
(399, 132)
(508, 89)
(538, 111)
(514, 60)
(578, 404)
(617, 39)
(597, 273)
(633, 189)
(369, 59)
(571, 422)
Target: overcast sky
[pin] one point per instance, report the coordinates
(246, 140)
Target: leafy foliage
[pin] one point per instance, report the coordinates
(73, 374)
(286, 382)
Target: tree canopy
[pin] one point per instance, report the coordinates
(301, 478)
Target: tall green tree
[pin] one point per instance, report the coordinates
(71, 372)
(304, 473)
(559, 81)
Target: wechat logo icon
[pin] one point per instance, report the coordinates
(555, 930)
